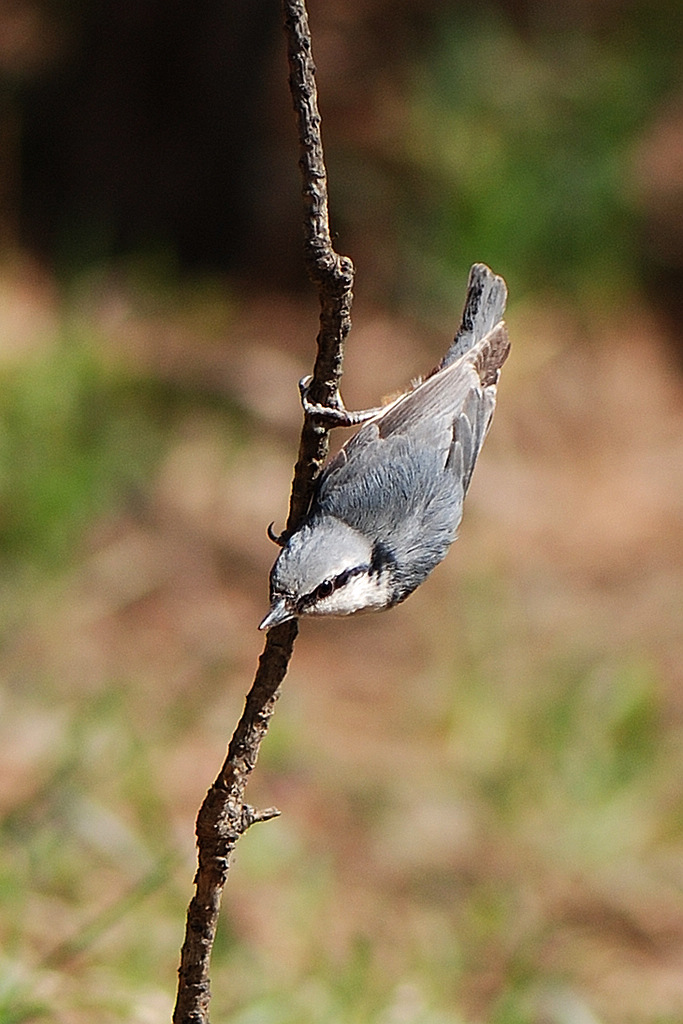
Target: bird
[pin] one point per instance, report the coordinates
(387, 506)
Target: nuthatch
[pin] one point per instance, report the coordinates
(387, 507)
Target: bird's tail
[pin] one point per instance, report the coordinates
(484, 308)
(491, 355)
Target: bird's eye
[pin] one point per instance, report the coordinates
(325, 588)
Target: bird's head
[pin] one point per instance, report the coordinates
(328, 568)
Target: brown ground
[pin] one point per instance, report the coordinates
(434, 764)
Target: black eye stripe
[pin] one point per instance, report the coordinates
(327, 587)
(348, 574)
(343, 577)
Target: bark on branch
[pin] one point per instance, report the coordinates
(333, 274)
(224, 815)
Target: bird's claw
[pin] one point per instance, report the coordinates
(333, 415)
(277, 538)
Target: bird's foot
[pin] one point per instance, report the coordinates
(336, 415)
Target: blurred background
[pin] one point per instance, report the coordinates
(482, 790)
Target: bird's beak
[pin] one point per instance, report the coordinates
(279, 612)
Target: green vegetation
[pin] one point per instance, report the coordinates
(570, 802)
(522, 149)
(74, 437)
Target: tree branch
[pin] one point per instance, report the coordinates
(224, 816)
(332, 274)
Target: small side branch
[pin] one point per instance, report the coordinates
(224, 815)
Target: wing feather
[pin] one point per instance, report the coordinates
(430, 414)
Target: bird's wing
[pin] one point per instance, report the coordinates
(451, 408)
(438, 401)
